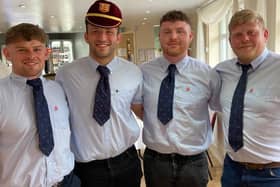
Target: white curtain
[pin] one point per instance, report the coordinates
(200, 41)
(4, 70)
(257, 5)
(214, 11)
(210, 13)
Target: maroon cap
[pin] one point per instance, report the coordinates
(104, 14)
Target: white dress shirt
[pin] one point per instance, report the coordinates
(261, 119)
(189, 132)
(90, 140)
(22, 164)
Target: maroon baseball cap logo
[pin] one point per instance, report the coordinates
(104, 7)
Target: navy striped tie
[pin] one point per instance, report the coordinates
(46, 142)
(235, 134)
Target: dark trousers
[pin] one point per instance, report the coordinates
(174, 170)
(236, 175)
(123, 170)
(70, 180)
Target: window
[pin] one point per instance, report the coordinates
(224, 45)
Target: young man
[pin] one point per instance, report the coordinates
(101, 89)
(250, 103)
(34, 125)
(177, 129)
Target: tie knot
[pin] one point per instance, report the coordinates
(103, 70)
(34, 82)
(245, 67)
(172, 68)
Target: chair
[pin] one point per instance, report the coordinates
(212, 122)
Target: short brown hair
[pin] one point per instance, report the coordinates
(175, 15)
(25, 31)
(245, 16)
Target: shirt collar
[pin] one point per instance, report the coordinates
(179, 65)
(20, 80)
(259, 60)
(111, 65)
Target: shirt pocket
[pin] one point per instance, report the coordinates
(121, 99)
(60, 115)
(191, 97)
(270, 94)
(264, 100)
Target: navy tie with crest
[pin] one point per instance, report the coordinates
(46, 142)
(102, 102)
(235, 134)
(166, 94)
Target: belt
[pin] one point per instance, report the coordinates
(123, 156)
(255, 166)
(176, 156)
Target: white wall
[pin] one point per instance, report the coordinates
(81, 48)
(144, 38)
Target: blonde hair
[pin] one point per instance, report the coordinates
(245, 16)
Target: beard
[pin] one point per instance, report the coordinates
(173, 51)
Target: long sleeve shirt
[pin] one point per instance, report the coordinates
(261, 119)
(22, 164)
(189, 132)
(91, 141)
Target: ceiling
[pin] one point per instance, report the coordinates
(57, 16)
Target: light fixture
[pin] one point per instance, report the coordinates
(148, 11)
(21, 5)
